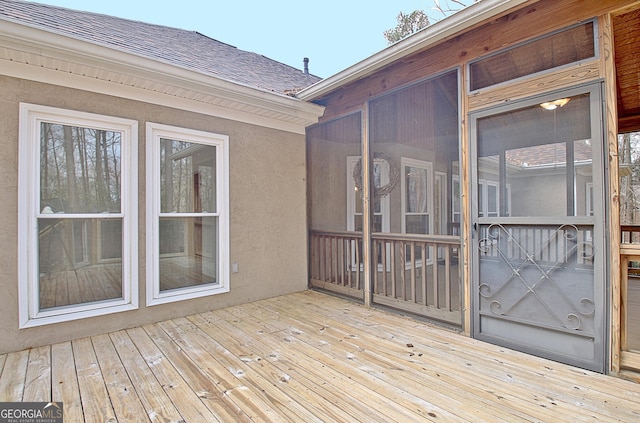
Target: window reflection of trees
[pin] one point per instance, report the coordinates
(80, 169)
(629, 170)
(187, 177)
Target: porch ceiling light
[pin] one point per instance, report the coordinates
(552, 105)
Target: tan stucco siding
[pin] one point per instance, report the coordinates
(267, 211)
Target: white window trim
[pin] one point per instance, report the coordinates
(385, 205)
(456, 216)
(441, 178)
(31, 116)
(155, 131)
(421, 164)
(483, 209)
(428, 166)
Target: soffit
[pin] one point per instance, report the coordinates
(626, 29)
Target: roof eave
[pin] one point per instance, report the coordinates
(451, 26)
(31, 46)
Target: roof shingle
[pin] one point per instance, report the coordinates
(187, 49)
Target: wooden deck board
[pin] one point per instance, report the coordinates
(250, 346)
(307, 357)
(155, 400)
(38, 377)
(64, 382)
(126, 404)
(13, 376)
(96, 404)
(490, 386)
(554, 382)
(389, 364)
(396, 404)
(186, 401)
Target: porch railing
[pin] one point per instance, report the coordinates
(416, 273)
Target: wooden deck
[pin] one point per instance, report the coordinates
(307, 357)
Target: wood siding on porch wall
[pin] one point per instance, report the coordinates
(530, 21)
(267, 203)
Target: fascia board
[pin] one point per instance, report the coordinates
(479, 12)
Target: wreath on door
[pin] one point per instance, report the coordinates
(394, 175)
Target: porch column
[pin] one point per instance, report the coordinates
(367, 207)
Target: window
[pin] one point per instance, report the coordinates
(489, 199)
(417, 203)
(187, 221)
(455, 203)
(570, 45)
(381, 206)
(440, 203)
(77, 215)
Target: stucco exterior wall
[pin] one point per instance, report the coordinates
(267, 211)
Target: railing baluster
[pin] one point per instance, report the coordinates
(392, 272)
(401, 267)
(423, 248)
(339, 260)
(383, 252)
(413, 272)
(357, 244)
(434, 263)
(349, 261)
(447, 276)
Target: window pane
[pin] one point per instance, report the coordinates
(539, 155)
(71, 269)
(188, 252)
(629, 171)
(568, 46)
(188, 177)
(416, 185)
(492, 200)
(417, 224)
(358, 201)
(110, 239)
(481, 210)
(79, 169)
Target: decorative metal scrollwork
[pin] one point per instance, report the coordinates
(532, 267)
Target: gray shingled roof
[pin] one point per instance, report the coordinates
(187, 49)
